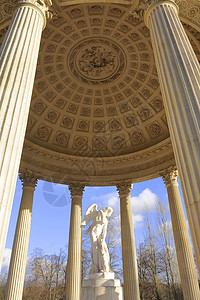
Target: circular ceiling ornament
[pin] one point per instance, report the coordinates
(96, 61)
(96, 101)
(93, 121)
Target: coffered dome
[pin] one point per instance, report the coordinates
(97, 112)
(96, 90)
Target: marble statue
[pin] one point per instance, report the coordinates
(97, 230)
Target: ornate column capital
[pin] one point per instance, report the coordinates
(155, 3)
(139, 11)
(170, 176)
(40, 5)
(124, 188)
(28, 178)
(76, 189)
(143, 5)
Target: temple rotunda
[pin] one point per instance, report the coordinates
(99, 93)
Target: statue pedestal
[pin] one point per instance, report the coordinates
(102, 286)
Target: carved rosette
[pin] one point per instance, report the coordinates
(170, 176)
(124, 188)
(28, 178)
(96, 61)
(76, 189)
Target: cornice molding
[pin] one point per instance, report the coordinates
(93, 171)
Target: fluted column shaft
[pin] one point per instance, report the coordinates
(179, 75)
(130, 270)
(16, 275)
(73, 280)
(18, 60)
(184, 253)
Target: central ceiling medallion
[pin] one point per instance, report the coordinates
(96, 61)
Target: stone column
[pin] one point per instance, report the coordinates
(130, 270)
(179, 75)
(18, 60)
(184, 253)
(73, 280)
(16, 275)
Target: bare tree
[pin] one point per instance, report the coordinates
(167, 255)
(113, 241)
(46, 276)
(152, 252)
(167, 250)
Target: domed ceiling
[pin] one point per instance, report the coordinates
(96, 99)
(96, 88)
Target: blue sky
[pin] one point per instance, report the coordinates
(52, 205)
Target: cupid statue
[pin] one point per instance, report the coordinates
(98, 229)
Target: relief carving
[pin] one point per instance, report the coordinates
(137, 138)
(28, 178)
(144, 114)
(95, 10)
(107, 77)
(115, 125)
(85, 111)
(154, 130)
(119, 142)
(67, 122)
(80, 143)
(96, 61)
(52, 116)
(99, 126)
(61, 139)
(124, 188)
(43, 132)
(99, 144)
(83, 125)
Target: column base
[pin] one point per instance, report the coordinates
(102, 286)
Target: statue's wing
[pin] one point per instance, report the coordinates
(92, 208)
(90, 213)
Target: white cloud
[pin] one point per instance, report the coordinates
(113, 201)
(137, 221)
(6, 257)
(105, 196)
(110, 199)
(145, 202)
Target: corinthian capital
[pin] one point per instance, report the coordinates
(124, 188)
(76, 189)
(28, 178)
(170, 176)
(152, 4)
(41, 5)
